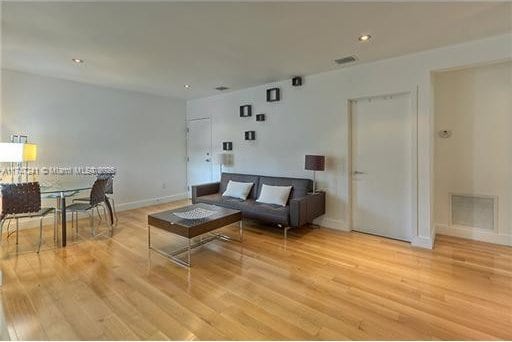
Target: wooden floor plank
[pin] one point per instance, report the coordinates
(319, 284)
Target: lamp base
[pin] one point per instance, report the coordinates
(314, 182)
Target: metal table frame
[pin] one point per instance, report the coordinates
(61, 195)
(173, 255)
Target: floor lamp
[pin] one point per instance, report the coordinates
(314, 163)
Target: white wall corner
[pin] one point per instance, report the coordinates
(425, 242)
(328, 222)
(1, 89)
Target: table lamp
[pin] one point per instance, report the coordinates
(17, 153)
(314, 163)
(225, 159)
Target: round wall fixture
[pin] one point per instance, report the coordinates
(445, 133)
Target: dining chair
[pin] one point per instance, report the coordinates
(96, 199)
(23, 200)
(109, 192)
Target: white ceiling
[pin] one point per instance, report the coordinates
(158, 47)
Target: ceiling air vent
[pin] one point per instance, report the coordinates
(345, 60)
(221, 88)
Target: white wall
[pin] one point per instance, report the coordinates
(313, 119)
(1, 4)
(75, 124)
(476, 104)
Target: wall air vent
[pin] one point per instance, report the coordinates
(345, 60)
(474, 211)
(221, 88)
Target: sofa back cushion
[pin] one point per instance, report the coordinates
(237, 177)
(271, 194)
(300, 186)
(238, 189)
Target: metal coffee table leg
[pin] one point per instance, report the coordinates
(241, 230)
(173, 255)
(189, 256)
(225, 237)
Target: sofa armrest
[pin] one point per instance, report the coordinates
(298, 211)
(305, 209)
(204, 189)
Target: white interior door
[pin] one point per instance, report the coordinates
(383, 162)
(199, 145)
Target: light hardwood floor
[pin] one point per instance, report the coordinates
(320, 284)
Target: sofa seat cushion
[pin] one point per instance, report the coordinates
(218, 199)
(266, 212)
(250, 208)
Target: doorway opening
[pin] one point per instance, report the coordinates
(199, 152)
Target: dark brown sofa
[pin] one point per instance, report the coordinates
(301, 209)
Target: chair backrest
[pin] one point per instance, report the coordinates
(20, 198)
(98, 191)
(109, 188)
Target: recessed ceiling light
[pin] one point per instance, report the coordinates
(77, 60)
(187, 86)
(365, 38)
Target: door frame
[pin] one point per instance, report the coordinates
(189, 189)
(413, 112)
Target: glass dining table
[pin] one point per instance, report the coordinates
(60, 190)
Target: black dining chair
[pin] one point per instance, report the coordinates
(23, 200)
(96, 200)
(109, 192)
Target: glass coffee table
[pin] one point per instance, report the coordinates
(173, 221)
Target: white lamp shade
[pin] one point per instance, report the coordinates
(17, 152)
(225, 159)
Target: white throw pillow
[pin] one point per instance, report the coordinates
(238, 189)
(274, 194)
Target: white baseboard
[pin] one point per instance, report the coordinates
(418, 241)
(331, 223)
(32, 223)
(475, 234)
(151, 201)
